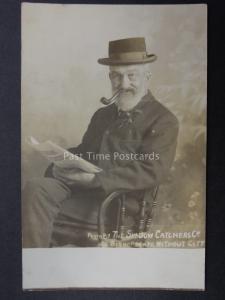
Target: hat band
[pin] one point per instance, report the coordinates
(128, 55)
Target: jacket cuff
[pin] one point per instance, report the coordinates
(48, 172)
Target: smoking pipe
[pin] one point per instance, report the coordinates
(111, 100)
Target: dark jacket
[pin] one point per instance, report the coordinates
(148, 129)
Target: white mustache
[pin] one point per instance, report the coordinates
(108, 101)
(111, 100)
(128, 91)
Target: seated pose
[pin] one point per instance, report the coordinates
(132, 140)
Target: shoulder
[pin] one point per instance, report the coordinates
(164, 113)
(157, 112)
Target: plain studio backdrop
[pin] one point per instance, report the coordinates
(62, 81)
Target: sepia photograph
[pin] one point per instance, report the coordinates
(113, 120)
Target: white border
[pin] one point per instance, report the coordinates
(113, 268)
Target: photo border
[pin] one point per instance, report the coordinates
(10, 259)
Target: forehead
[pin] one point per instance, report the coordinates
(127, 68)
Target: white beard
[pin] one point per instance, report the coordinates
(127, 101)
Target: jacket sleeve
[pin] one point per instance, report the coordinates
(145, 174)
(86, 141)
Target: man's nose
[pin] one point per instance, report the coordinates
(125, 82)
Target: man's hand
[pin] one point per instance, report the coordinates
(75, 177)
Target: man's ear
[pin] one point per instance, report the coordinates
(148, 73)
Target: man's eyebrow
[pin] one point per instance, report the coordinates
(115, 72)
(126, 72)
(132, 70)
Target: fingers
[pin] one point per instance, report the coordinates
(60, 170)
(58, 173)
(64, 178)
(72, 177)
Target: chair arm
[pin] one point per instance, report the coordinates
(143, 224)
(102, 210)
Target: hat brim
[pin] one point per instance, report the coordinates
(110, 61)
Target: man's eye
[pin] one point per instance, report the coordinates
(115, 75)
(132, 76)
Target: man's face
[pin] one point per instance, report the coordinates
(132, 80)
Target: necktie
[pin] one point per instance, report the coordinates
(127, 117)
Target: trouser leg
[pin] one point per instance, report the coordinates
(41, 202)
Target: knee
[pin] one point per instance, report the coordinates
(34, 184)
(43, 189)
(34, 188)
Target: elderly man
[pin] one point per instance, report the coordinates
(138, 135)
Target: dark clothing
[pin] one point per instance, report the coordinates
(148, 129)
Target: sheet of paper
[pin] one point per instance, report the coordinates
(62, 157)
